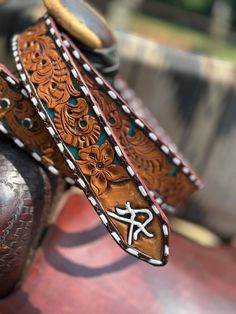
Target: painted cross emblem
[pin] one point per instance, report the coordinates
(136, 227)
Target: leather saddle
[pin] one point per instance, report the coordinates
(64, 109)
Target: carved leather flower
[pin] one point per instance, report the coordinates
(96, 162)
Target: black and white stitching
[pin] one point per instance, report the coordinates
(119, 153)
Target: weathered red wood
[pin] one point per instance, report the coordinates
(79, 269)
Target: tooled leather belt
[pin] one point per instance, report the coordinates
(69, 118)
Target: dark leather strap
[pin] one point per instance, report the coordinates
(75, 123)
(27, 195)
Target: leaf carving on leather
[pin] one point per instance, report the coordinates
(75, 126)
(175, 188)
(151, 164)
(53, 80)
(52, 155)
(32, 45)
(48, 71)
(116, 119)
(97, 163)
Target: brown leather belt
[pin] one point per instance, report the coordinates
(65, 114)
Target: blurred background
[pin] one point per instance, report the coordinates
(179, 56)
(201, 26)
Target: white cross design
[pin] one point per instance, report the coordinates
(133, 235)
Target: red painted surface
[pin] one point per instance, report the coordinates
(80, 269)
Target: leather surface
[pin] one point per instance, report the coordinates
(25, 202)
(90, 149)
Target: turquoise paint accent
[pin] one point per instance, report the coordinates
(88, 178)
(116, 161)
(74, 151)
(173, 172)
(83, 123)
(73, 101)
(49, 111)
(131, 129)
(91, 114)
(76, 85)
(112, 121)
(102, 139)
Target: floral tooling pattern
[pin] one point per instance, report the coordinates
(96, 162)
(77, 127)
(151, 163)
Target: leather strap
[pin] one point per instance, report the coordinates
(80, 127)
(154, 160)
